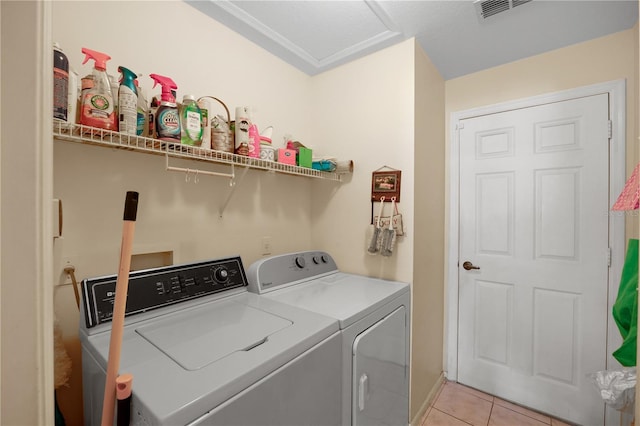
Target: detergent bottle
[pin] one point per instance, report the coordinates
(97, 104)
(167, 118)
(142, 112)
(190, 121)
(127, 102)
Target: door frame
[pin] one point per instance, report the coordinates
(617, 178)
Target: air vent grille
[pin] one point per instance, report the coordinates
(519, 2)
(487, 8)
(493, 7)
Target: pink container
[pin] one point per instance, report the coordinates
(287, 156)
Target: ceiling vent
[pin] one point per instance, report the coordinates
(487, 8)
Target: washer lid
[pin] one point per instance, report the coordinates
(346, 297)
(170, 394)
(199, 337)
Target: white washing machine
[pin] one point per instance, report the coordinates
(203, 350)
(374, 318)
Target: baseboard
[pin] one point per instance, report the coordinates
(428, 401)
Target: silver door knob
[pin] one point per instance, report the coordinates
(469, 266)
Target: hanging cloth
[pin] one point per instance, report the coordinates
(625, 310)
(629, 198)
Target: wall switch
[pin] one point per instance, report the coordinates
(266, 245)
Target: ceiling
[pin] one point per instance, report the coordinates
(315, 36)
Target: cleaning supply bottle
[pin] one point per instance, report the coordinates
(243, 123)
(127, 102)
(167, 118)
(151, 120)
(141, 112)
(115, 86)
(60, 84)
(254, 141)
(72, 97)
(98, 109)
(190, 121)
(206, 123)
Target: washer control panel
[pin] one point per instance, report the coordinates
(288, 269)
(154, 288)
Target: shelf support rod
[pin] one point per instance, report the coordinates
(198, 172)
(233, 185)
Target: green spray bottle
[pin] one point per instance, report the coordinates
(127, 102)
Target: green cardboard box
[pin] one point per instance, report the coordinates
(304, 157)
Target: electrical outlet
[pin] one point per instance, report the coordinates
(266, 245)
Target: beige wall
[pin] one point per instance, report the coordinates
(364, 111)
(428, 267)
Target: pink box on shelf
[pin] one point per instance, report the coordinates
(287, 156)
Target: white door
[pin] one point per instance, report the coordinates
(534, 204)
(380, 373)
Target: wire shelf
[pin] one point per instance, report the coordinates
(110, 139)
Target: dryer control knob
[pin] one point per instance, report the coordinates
(300, 262)
(221, 274)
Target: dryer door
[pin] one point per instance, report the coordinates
(380, 373)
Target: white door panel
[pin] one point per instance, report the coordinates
(533, 217)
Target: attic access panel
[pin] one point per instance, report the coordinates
(311, 35)
(304, 24)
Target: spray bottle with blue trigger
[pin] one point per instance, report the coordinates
(167, 116)
(127, 102)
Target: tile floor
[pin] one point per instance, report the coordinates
(458, 405)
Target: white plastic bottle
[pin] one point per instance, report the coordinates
(243, 123)
(72, 97)
(206, 124)
(143, 113)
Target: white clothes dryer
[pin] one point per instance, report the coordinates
(374, 318)
(204, 351)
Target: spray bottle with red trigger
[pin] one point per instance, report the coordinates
(97, 104)
(167, 117)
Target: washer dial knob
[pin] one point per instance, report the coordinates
(300, 262)
(221, 274)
